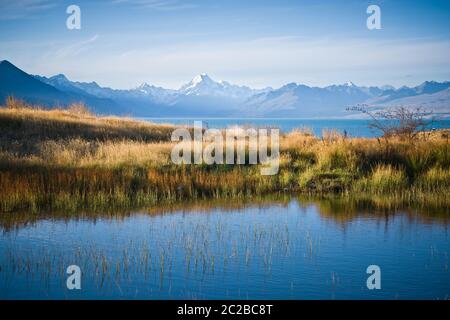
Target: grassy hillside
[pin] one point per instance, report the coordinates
(24, 122)
(70, 159)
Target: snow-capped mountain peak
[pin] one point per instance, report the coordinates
(203, 85)
(199, 85)
(203, 77)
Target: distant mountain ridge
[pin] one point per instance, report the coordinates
(205, 97)
(17, 82)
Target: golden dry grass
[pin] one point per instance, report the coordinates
(81, 153)
(71, 158)
(36, 123)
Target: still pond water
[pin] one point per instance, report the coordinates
(277, 249)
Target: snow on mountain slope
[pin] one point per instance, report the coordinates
(427, 93)
(203, 85)
(438, 102)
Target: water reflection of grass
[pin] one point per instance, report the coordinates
(334, 207)
(427, 209)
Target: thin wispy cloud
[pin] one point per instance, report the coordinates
(12, 10)
(256, 43)
(162, 5)
(274, 62)
(258, 63)
(72, 50)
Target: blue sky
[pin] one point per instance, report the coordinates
(123, 43)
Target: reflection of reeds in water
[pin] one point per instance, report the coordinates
(431, 209)
(152, 260)
(343, 209)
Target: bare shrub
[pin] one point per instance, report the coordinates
(404, 122)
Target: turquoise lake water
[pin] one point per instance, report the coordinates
(353, 127)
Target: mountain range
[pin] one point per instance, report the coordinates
(205, 97)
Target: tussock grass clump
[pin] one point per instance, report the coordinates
(434, 180)
(81, 153)
(383, 179)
